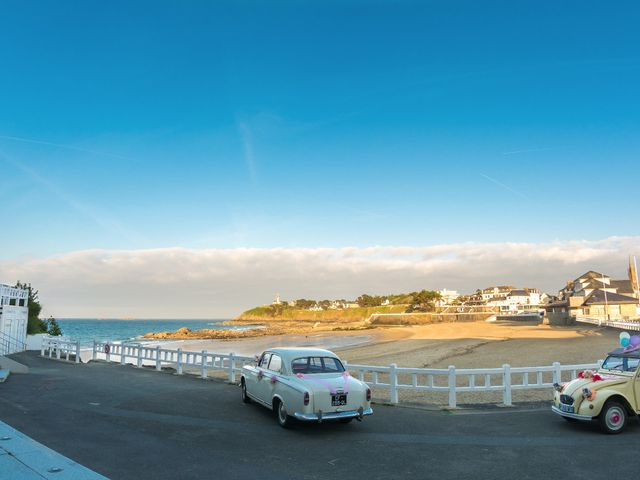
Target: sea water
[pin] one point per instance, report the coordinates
(88, 329)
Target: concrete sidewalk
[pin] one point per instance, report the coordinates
(25, 459)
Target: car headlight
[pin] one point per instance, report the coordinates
(588, 393)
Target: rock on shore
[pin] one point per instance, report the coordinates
(204, 334)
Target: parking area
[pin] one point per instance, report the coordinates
(124, 422)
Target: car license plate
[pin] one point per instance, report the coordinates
(338, 400)
(566, 408)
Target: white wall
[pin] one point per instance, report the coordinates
(34, 342)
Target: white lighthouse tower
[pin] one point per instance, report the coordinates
(277, 301)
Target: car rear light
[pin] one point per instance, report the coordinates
(368, 394)
(306, 398)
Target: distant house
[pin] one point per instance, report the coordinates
(493, 292)
(447, 297)
(595, 295)
(517, 301)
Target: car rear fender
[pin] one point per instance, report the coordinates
(277, 398)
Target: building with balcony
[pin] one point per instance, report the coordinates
(595, 295)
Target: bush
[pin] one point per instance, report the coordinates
(53, 328)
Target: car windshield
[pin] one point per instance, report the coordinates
(311, 365)
(623, 364)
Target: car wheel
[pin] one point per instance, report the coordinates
(243, 387)
(284, 420)
(613, 418)
(346, 420)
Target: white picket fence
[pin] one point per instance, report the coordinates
(139, 355)
(392, 378)
(624, 325)
(53, 347)
(457, 380)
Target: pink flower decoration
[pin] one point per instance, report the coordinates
(274, 379)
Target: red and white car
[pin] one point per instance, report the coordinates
(307, 384)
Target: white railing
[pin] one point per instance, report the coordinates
(451, 380)
(622, 324)
(9, 344)
(456, 380)
(139, 355)
(54, 347)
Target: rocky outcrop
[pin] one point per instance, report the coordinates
(206, 334)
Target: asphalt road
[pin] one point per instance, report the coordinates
(129, 423)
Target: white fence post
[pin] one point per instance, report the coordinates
(179, 371)
(42, 348)
(158, 364)
(123, 357)
(393, 383)
(139, 357)
(452, 386)
(203, 370)
(58, 350)
(557, 373)
(78, 351)
(94, 355)
(506, 382)
(232, 368)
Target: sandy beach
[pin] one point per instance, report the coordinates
(472, 344)
(255, 345)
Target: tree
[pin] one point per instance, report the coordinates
(34, 324)
(425, 300)
(325, 304)
(53, 328)
(303, 303)
(365, 300)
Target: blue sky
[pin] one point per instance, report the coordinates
(221, 125)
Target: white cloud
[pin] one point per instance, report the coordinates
(219, 283)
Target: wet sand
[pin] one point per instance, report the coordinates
(255, 345)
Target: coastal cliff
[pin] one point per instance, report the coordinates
(271, 313)
(270, 320)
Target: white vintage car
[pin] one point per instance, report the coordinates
(307, 384)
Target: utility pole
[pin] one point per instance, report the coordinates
(606, 304)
